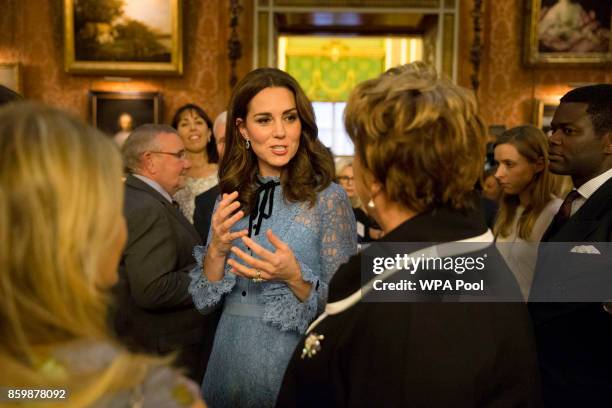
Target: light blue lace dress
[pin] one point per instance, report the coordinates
(261, 323)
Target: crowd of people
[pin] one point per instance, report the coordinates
(222, 263)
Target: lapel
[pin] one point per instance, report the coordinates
(138, 184)
(586, 219)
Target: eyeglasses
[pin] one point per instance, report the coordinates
(181, 155)
(346, 179)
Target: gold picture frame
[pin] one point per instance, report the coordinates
(544, 112)
(560, 32)
(121, 37)
(107, 107)
(10, 76)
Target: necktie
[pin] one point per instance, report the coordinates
(565, 211)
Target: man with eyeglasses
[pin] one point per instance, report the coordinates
(154, 310)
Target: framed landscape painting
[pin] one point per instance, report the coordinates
(114, 112)
(569, 32)
(123, 36)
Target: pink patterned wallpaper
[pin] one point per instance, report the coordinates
(32, 33)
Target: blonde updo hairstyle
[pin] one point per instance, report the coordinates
(419, 135)
(60, 207)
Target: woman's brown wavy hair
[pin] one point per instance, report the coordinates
(419, 135)
(311, 169)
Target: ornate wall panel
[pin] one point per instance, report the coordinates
(37, 43)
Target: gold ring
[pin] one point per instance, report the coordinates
(258, 278)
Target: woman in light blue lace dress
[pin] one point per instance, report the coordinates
(279, 231)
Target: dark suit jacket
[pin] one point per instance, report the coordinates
(574, 339)
(204, 206)
(418, 354)
(155, 312)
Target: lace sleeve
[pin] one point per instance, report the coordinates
(206, 294)
(338, 241)
(284, 310)
(338, 235)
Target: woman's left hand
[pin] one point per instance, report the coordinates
(280, 265)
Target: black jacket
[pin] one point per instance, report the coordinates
(204, 206)
(154, 310)
(574, 339)
(419, 354)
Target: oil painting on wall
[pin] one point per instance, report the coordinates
(123, 36)
(568, 32)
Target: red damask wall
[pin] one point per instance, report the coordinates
(31, 33)
(508, 88)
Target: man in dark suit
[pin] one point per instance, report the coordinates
(205, 202)
(155, 312)
(572, 323)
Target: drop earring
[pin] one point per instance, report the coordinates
(371, 203)
(248, 144)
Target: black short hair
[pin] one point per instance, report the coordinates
(7, 95)
(599, 105)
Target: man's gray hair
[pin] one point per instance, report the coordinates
(222, 118)
(141, 140)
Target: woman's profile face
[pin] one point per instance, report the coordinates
(347, 180)
(194, 131)
(273, 128)
(514, 172)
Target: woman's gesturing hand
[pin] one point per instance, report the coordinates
(223, 219)
(280, 265)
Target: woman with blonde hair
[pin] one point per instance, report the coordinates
(415, 136)
(61, 236)
(528, 203)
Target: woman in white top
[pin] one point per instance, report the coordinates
(195, 128)
(528, 203)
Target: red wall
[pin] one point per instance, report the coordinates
(32, 34)
(508, 88)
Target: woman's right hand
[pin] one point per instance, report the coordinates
(223, 219)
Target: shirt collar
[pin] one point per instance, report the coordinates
(587, 189)
(155, 185)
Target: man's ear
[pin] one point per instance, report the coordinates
(241, 125)
(608, 143)
(147, 163)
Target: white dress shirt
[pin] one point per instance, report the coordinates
(588, 189)
(155, 185)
